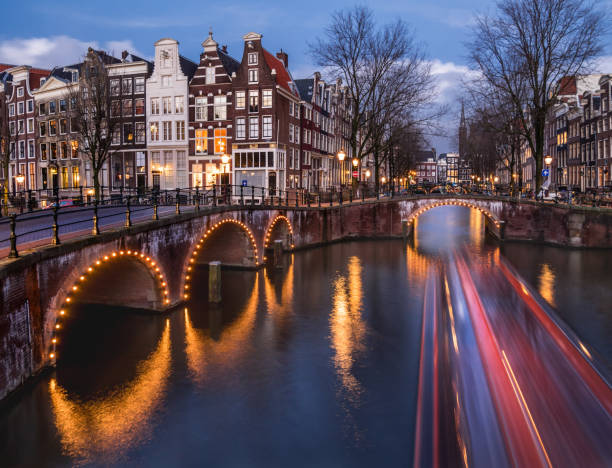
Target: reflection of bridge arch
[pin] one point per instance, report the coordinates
(87, 275)
(434, 204)
(107, 427)
(276, 222)
(250, 258)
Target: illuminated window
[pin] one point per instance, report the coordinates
(154, 131)
(64, 150)
(53, 150)
(200, 108)
(253, 101)
(128, 133)
(240, 99)
(139, 106)
(220, 140)
(201, 141)
(64, 174)
(220, 107)
(253, 76)
(75, 176)
(74, 148)
(178, 104)
(52, 127)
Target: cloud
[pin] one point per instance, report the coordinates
(47, 52)
(603, 64)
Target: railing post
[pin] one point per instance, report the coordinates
(13, 237)
(319, 196)
(197, 198)
(214, 194)
(308, 199)
(340, 197)
(362, 195)
(56, 239)
(351, 196)
(242, 195)
(128, 217)
(30, 201)
(287, 198)
(253, 195)
(155, 215)
(177, 210)
(95, 229)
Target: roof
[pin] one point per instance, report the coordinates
(187, 66)
(422, 156)
(5, 66)
(305, 87)
(63, 73)
(230, 64)
(283, 78)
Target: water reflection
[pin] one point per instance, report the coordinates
(105, 428)
(546, 283)
(202, 350)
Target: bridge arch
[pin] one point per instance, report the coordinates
(468, 204)
(280, 228)
(251, 258)
(86, 275)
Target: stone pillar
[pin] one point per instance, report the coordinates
(214, 282)
(407, 228)
(278, 253)
(575, 222)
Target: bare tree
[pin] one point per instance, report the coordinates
(8, 145)
(385, 72)
(527, 48)
(91, 113)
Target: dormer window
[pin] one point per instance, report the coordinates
(252, 60)
(210, 75)
(19, 92)
(253, 76)
(75, 76)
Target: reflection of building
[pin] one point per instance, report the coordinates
(265, 149)
(61, 165)
(128, 147)
(168, 117)
(19, 84)
(211, 111)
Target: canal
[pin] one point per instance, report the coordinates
(314, 364)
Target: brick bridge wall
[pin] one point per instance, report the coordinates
(37, 287)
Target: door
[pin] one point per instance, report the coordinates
(272, 182)
(156, 180)
(55, 181)
(140, 183)
(43, 174)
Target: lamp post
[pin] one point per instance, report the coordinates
(341, 156)
(548, 161)
(20, 178)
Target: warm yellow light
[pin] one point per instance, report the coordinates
(548, 159)
(225, 158)
(52, 355)
(355, 162)
(57, 327)
(341, 155)
(383, 179)
(62, 312)
(496, 179)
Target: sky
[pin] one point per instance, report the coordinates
(47, 34)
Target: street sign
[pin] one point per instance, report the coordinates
(355, 174)
(545, 172)
(244, 183)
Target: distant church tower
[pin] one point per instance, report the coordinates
(463, 135)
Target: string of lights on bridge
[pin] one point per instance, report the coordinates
(420, 211)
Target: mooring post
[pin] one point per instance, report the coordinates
(95, 230)
(13, 238)
(56, 239)
(214, 282)
(128, 214)
(278, 253)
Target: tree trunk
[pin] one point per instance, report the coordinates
(96, 182)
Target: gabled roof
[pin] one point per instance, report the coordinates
(305, 87)
(64, 73)
(230, 64)
(5, 66)
(283, 77)
(187, 66)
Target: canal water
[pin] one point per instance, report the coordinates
(312, 365)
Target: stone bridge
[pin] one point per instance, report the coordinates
(39, 287)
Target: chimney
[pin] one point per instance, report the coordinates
(224, 48)
(124, 55)
(283, 57)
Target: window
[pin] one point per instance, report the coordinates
(253, 128)
(21, 127)
(200, 108)
(290, 108)
(291, 133)
(154, 131)
(63, 126)
(179, 104)
(116, 139)
(64, 150)
(115, 108)
(253, 76)
(127, 108)
(167, 129)
(266, 98)
(30, 125)
(20, 108)
(220, 140)
(140, 132)
(167, 105)
(139, 106)
(253, 58)
(43, 81)
(62, 105)
(74, 149)
(75, 176)
(126, 85)
(166, 59)
(180, 130)
(52, 106)
(11, 110)
(73, 103)
(114, 87)
(166, 81)
(22, 150)
(154, 106)
(43, 129)
(43, 151)
(139, 85)
(52, 128)
(220, 107)
(42, 109)
(240, 128)
(210, 75)
(53, 151)
(128, 133)
(74, 75)
(253, 101)
(266, 127)
(201, 141)
(20, 92)
(64, 174)
(240, 99)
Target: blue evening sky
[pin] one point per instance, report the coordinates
(43, 33)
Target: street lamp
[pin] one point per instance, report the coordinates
(368, 173)
(341, 155)
(20, 178)
(225, 159)
(355, 162)
(548, 159)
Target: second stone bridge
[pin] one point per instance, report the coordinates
(149, 265)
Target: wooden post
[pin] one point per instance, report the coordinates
(214, 282)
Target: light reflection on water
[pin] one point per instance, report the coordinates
(313, 364)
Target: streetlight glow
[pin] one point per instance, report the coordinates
(355, 162)
(548, 159)
(341, 155)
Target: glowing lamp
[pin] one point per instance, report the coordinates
(225, 158)
(548, 159)
(341, 155)
(355, 162)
